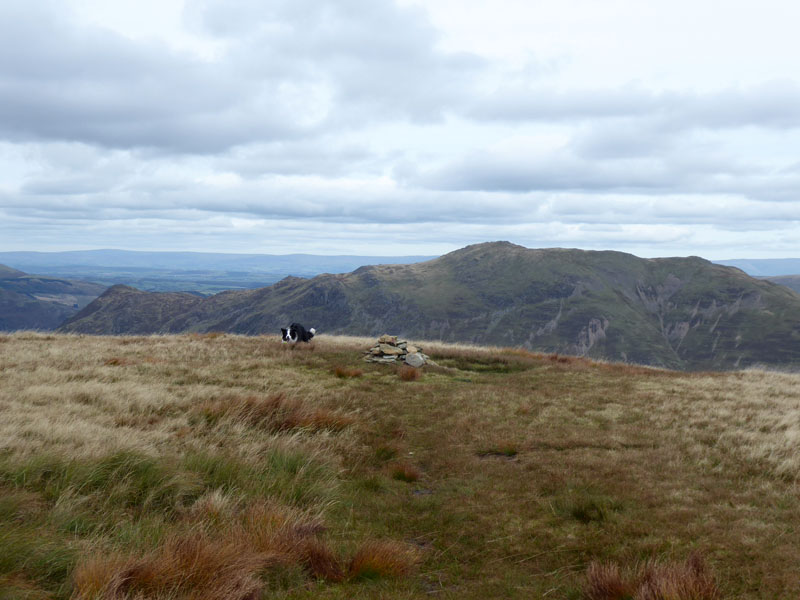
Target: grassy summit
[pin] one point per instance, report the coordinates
(223, 466)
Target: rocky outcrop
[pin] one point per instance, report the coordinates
(590, 335)
(390, 350)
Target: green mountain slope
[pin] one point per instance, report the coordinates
(676, 312)
(35, 302)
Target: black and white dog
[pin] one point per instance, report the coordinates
(296, 333)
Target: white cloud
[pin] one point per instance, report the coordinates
(414, 127)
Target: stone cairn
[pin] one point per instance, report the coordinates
(390, 351)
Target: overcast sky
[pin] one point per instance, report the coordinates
(380, 127)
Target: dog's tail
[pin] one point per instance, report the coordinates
(313, 331)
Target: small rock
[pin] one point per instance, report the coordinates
(388, 339)
(415, 360)
(391, 350)
(412, 349)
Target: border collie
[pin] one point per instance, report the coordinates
(296, 333)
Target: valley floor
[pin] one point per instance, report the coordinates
(222, 466)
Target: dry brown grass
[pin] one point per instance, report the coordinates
(404, 471)
(190, 566)
(690, 580)
(201, 565)
(233, 446)
(382, 558)
(347, 372)
(753, 416)
(221, 562)
(116, 361)
(408, 373)
(275, 412)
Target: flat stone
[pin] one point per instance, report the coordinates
(387, 339)
(380, 359)
(412, 349)
(415, 360)
(391, 350)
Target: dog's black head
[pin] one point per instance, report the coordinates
(296, 333)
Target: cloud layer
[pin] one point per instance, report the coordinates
(370, 126)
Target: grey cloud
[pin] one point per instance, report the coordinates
(545, 104)
(324, 156)
(773, 105)
(502, 172)
(271, 198)
(66, 186)
(380, 59)
(277, 200)
(683, 170)
(623, 138)
(292, 70)
(62, 81)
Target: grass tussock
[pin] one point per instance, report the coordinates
(585, 505)
(386, 452)
(230, 562)
(382, 559)
(211, 335)
(408, 373)
(117, 361)
(347, 372)
(123, 479)
(404, 471)
(184, 567)
(689, 580)
(275, 412)
(504, 448)
(560, 358)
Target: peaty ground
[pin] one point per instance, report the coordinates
(230, 467)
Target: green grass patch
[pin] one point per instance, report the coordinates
(290, 476)
(38, 556)
(586, 505)
(120, 480)
(505, 449)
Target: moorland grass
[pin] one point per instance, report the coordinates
(222, 466)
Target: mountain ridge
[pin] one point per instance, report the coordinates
(40, 302)
(684, 313)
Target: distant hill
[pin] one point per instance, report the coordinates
(764, 267)
(783, 271)
(37, 302)
(790, 281)
(675, 312)
(203, 272)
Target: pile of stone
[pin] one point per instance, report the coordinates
(390, 351)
